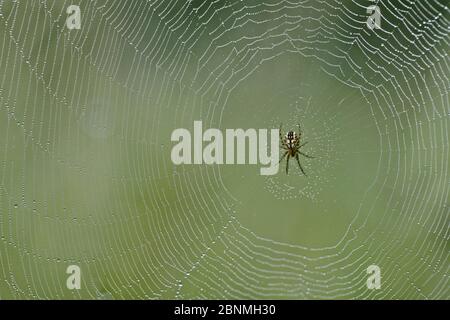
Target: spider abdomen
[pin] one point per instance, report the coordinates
(291, 139)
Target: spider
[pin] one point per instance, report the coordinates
(291, 144)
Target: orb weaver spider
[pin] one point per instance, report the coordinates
(291, 144)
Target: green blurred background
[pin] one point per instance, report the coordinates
(86, 177)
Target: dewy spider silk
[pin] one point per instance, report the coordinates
(191, 150)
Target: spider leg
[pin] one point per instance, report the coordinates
(281, 135)
(303, 144)
(282, 157)
(282, 140)
(305, 155)
(287, 164)
(298, 161)
(299, 130)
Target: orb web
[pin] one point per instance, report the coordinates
(86, 177)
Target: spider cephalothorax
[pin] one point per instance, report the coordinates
(291, 145)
